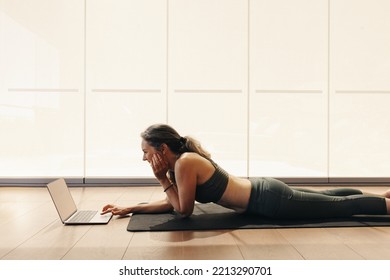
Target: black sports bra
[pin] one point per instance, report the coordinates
(213, 189)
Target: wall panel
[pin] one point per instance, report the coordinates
(360, 89)
(208, 54)
(41, 88)
(288, 88)
(126, 83)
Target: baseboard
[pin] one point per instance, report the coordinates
(149, 181)
(36, 181)
(78, 181)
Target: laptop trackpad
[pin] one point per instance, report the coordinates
(98, 218)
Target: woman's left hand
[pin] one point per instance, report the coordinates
(159, 166)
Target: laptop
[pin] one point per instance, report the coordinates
(67, 209)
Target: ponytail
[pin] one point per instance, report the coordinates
(192, 145)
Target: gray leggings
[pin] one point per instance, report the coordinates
(273, 198)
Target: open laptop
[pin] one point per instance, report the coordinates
(67, 209)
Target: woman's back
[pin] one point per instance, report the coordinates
(212, 181)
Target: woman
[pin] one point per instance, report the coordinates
(188, 174)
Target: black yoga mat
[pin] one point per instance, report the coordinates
(212, 217)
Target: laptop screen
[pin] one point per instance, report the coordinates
(62, 198)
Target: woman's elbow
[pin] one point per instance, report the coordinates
(186, 212)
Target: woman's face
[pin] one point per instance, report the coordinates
(148, 151)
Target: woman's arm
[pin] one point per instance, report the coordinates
(182, 195)
(161, 206)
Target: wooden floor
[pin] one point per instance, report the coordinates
(31, 229)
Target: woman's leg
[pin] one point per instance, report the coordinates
(343, 192)
(276, 199)
(332, 192)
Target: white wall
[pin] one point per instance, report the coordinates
(126, 49)
(272, 88)
(41, 88)
(288, 88)
(359, 92)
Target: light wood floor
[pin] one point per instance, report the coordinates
(30, 229)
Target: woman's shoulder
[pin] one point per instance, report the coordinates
(193, 164)
(191, 158)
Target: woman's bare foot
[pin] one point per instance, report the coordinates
(387, 205)
(386, 194)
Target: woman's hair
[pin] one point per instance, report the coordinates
(158, 134)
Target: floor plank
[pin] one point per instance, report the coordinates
(318, 244)
(102, 242)
(372, 243)
(265, 244)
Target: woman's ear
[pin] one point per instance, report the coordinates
(164, 148)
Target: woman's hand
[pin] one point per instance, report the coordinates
(115, 210)
(159, 167)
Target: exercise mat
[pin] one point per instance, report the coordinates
(211, 216)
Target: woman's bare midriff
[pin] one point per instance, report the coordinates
(236, 195)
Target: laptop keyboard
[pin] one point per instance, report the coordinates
(82, 216)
